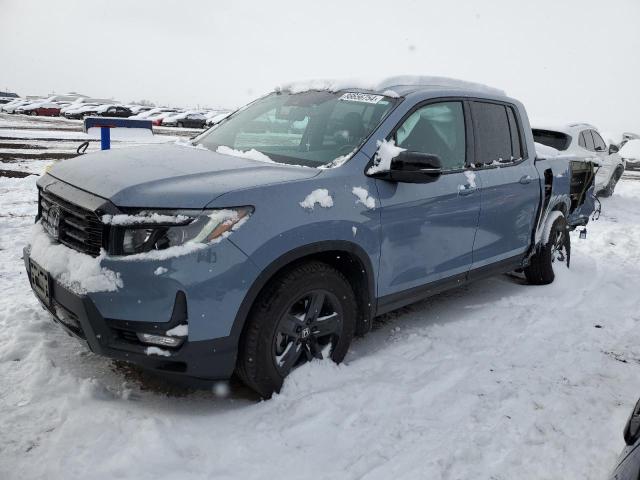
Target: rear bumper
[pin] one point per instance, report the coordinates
(78, 315)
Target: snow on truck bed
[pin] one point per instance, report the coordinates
(494, 380)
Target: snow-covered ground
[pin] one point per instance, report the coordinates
(496, 380)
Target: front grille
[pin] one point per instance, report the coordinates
(77, 228)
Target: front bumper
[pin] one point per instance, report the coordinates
(211, 359)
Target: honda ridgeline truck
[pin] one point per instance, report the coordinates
(276, 236)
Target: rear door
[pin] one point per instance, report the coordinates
(510, 186)
(428, 229)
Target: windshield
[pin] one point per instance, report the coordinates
(311, 128)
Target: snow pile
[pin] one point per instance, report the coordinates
(79, 272)
(320, 196)
(252, 154)
(143, 218)
(364, 197)
(387, 151)
(544, 151)
(160, 271)
(631, 150)
(179, 331)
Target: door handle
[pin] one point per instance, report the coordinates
(526, 179)
(466, 190)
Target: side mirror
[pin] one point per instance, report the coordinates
(613, 149)
(632, 428)
(412, 167)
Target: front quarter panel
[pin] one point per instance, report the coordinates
(280, 224)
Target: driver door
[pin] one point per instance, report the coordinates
(428, 229)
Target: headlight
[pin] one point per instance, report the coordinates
(147, 231)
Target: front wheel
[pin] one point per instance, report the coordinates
(555, 250)
(305, 313)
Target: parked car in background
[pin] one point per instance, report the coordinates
(82, 110)
(11, 107)
(155, 111)
(138, 109)
(42, 109)
(584, 140)
(217, 117)
(6, 97)
(158, 117)
(189, 119)
(630, 151)
(270, 249)
(114, 111)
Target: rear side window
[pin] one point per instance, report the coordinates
(516, 144)
(437, 128)
(598, 142)
(496, 133)
(587, 140)
(550, 138)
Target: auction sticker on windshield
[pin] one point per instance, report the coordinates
(361, 97)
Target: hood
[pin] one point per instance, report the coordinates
(169, 176)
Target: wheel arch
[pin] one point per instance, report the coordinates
(357, 268)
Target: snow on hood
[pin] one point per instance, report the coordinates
(169, 175)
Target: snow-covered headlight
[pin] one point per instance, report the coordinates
(147, 231)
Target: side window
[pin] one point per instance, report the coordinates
(600, 146)
(581, 141)
(516, 144)
(588, 140)
(437, 128)
(492, 133)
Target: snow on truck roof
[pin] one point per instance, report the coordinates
(568, 129)
(390, 86)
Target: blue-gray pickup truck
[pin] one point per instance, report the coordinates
(277, 235)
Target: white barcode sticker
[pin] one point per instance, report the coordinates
(361, 97)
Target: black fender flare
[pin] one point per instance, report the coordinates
(297, 254)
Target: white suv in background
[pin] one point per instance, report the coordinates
(584, 140)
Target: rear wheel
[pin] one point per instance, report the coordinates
(308, 312)
(555, 251)
(180, 125)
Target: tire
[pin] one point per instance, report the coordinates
(34, 113)
(180, 125)
(556, 250)
(613, 181)
(286, 329)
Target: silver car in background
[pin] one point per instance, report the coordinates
(584, 140)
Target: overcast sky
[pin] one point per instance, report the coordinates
(567, 60)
